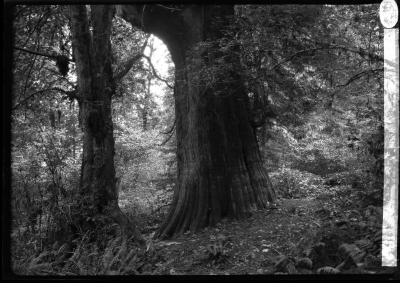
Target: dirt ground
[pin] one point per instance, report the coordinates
(248, 246)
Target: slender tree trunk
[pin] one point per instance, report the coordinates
(96, 86)
(147, 93)
(146, 104)
(220, 171)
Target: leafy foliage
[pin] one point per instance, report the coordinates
(314, 82)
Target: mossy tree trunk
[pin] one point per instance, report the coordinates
(220, 171)
(96, 86)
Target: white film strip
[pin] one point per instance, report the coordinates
(389, 17)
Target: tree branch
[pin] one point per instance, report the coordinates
(287, 59)
(169, 8)
(170, 130)
(71, 94)
(349, 81)
(50, 56)
(170, 133)
(130, 62)
(168, 138)
(155, 73)
(149, 18)
(360, 52)
(360, 75)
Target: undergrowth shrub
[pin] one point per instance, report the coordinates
(115, 256)
(293, 183)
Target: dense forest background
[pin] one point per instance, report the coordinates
(313, 76)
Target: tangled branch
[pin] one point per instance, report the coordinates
(70, 94)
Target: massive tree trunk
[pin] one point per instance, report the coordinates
(220, 171)
(92, 51)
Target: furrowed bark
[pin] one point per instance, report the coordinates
(220, 171)
(96, 87)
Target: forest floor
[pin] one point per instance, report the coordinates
(275, 240)
(248, 246)
(317, 227)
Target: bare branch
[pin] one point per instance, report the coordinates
(360, 75)
(349, 81)
(155, 73)
(169, 8)
(71, 94)
(170, 134)
(50, 56)
(295, 55)
(170, 130)
(360, 52)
